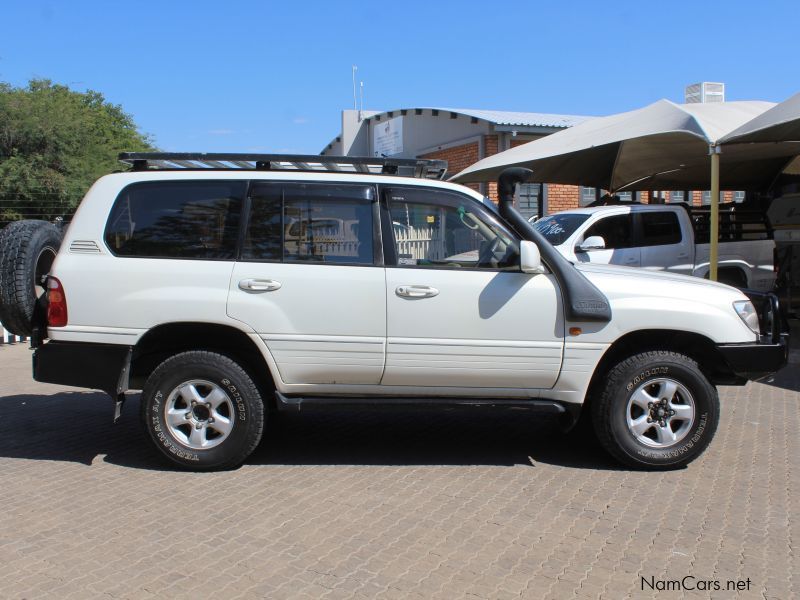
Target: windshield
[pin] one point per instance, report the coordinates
(557, 228)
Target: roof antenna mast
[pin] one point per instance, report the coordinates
(361, 110)
(355, 105)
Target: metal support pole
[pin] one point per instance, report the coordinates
(713, 258)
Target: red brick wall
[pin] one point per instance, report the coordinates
(491, 146)
(559, 196)
(458, 158)
(697, 197)
(562, 197)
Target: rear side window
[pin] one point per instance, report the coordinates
(177, 219)
(660, 228)
(616, 231)
(317, 223)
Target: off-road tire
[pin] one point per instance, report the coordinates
(610, 408)
(220, 372)
(27, 251)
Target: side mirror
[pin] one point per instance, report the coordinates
(594, 242)
(530, 261)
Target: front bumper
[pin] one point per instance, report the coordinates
(756, 360)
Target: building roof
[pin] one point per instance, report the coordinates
(525, 119)
(499, 118)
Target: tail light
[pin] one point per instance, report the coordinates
(775, 259)
(56, 303)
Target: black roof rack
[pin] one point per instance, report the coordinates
(405, 167)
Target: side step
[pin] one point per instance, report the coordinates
(297, 403)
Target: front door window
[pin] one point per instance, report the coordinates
(447, 232)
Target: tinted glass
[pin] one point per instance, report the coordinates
(559, 227)
(177, 219)
(616, 231)
(263, 239)
(660, 228)
(311, 223)
(436, 229)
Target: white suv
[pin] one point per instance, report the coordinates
(229, 286)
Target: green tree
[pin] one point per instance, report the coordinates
(54, 143)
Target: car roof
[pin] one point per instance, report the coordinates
(128, 177)
(617, 209)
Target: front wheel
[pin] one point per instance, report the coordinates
(657, 410)
(203, 411)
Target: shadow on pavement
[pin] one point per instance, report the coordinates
(787, 378)
(77, 427)
(73, 426)
(425, 437)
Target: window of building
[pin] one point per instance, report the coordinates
(738, 196)
(676, 196)
(660, 228)
(177, 219)
(706, 197)
(616, 231)
(587, 195)
(441, 230)
(625, 196)
(322, 223)
(529, 199)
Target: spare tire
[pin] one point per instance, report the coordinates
(27, 251)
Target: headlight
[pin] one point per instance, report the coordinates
(747, 313)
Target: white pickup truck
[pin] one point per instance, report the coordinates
(666, 237)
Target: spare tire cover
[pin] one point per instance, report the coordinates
(27, 251)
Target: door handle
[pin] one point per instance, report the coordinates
(631, 261)
(416, 291)
(259, 285)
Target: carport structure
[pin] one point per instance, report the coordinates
(732, 145)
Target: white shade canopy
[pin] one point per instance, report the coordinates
(661, 146)
(781, 123)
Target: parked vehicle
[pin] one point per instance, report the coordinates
(226, 287)
(667, 237)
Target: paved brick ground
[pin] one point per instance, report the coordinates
(398, 505)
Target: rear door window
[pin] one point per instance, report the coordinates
(316, 223)
(177, 219)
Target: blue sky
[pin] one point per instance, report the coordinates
(274, 76)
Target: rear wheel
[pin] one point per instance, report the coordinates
(27, 251)
(203, 411)
(657, 410)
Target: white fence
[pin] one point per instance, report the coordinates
(420, 243)
(6, 337)
(412, 243)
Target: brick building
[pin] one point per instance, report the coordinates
(464, 136)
